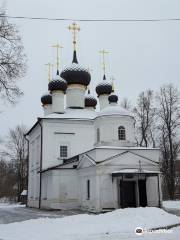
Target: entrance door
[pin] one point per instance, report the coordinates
(127, 194)
(142, 193)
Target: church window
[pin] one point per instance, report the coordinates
(122, 133)
(98, 135)
(88, 189)
(63, 151)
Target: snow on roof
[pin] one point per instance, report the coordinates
(114, 110)
(73, 114)
(89, 114)
(134, 170)
(24, 193)
(127, 148)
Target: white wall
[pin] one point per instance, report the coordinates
(77, 135)
(34, 167)
(60, 189)
(152, 191)
(108, 126)
(75, 95)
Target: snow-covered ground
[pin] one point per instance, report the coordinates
(119, 224)
(10, 205)
(172, 204)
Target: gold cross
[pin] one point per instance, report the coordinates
(74, 28)
(49, 65)
(57, 46)
(103, 52)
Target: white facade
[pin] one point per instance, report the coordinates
(98, 168)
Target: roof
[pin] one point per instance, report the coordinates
(114, 110)
(135, 170)
(127, 148)
(73, 114)
(85, 114)
(24, 193)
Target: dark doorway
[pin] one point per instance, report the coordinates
(142, 193)
(127, 194)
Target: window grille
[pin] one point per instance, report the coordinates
(63, 151)
(122, 133)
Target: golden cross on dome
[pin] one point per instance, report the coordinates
(49, 65)
(57, 46)
(103, 52)
(74, 28)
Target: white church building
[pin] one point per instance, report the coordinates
(81, 158)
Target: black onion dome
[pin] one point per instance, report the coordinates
(90, 101)
(76, 74)
(57, 84)
(46, 99)
(103, 88)
(113, 98)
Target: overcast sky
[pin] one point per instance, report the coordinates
(142, 54)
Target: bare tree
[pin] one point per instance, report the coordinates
(8, 178)
(17, 150)
(125, 103)
(145, 116)
(12, 59)
(169, 122)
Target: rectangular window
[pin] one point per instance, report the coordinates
(88, 189)
(63, 151)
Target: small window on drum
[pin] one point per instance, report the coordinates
(121, 133)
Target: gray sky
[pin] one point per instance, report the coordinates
(142, 54)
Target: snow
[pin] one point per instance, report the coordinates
(116, 225)
(73, 114)
(10, 205)
(171, 204)
(128, 148)
(134, 170)
(24, 193)
(114, 110)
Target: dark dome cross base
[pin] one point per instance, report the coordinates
(90, 101)
(103, 88)
(59, 84)
(46, 99)
(76, 75)
(113, 98)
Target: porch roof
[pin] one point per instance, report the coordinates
(135, 171)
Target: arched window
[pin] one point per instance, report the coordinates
(122, 133)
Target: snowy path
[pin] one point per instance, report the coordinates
(18, 213)
(116, 225)
(172, 207)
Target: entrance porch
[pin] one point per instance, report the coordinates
(137, 189)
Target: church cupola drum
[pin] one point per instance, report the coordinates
(76, 76)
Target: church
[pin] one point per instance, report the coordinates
(84, 158)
